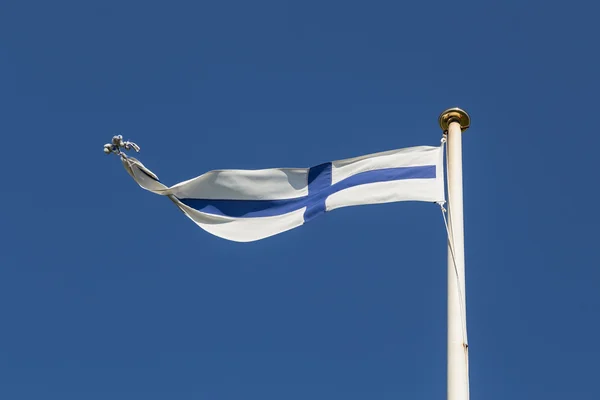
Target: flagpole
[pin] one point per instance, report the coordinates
(453, 122)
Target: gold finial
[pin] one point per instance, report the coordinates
(454, 114)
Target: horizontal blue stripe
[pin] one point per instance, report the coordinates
(269, 208)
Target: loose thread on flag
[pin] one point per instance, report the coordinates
(117, 144)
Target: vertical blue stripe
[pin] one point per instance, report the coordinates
(319, 180)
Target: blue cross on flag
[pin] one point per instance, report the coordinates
(248, 205)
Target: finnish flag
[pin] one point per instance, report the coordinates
(248, 205)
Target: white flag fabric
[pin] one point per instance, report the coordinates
(248, 205)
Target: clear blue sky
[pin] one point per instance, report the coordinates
(109, 292)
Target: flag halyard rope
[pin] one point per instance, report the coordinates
(461, 299)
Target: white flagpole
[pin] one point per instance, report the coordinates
(453, 122)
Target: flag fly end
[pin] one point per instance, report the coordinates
(118, 144)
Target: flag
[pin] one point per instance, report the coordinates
(248, 205)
